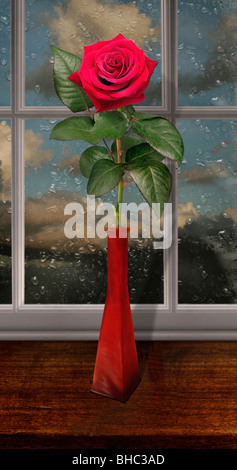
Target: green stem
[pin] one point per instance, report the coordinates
(120, 184)
(109, 151)
(119, 200)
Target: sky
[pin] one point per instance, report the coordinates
(5, 53)
(207, 76)
(207, 176)
(207, 52)
(71, 24)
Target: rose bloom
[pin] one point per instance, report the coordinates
(114, 73)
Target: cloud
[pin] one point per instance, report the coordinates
(205, 175)
(219, 147)
(42, 77)
(78, 24)
(48, 209)
(228, 213)
(45, 221)
(231, 212)
(35, 156)
(226, 33)
(71, 164)
(186, 213)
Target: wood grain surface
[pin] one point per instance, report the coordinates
(187, 397)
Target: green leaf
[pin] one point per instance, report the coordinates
(142, 152)
(68, 92)
(153, 179)
(160, 134)
(104, 176)
(127, 142)
(90, 156)
(144, 116)
(75, 128)
(129, 110)
(110, 124)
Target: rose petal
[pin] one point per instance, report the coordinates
(74, 77)
(100, 44)
(102, 105)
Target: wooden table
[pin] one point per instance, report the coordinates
(187, 397)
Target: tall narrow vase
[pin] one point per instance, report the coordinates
(116, 373)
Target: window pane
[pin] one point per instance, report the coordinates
(5, 213)
(207, 53)
(72, 24)
(63, 270)
(207, 212)
(5, 29)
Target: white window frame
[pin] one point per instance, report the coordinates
(168, 321)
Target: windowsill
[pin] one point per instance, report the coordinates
(186, 399)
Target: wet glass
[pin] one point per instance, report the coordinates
(5, 31)
(207, 212)
(5, 213)
(207, 60)
(60, 270)
(71, 24)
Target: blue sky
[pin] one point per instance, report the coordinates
(206, 54)
(210, 151)
(5, 53)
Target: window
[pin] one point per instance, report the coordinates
(52, 287)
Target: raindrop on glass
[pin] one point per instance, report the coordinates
(34, 281)
(4, 20)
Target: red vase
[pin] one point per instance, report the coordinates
(116, 373)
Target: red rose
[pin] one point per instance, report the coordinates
(114, 73)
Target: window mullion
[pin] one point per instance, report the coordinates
(20, 55)
(174, 101)
(165, 54)
(170, 255)
(18, 214)
(17, 39)
(14, 247)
